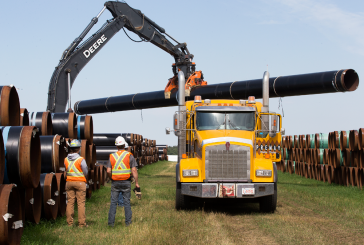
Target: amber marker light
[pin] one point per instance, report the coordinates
(251, 99)
(197, 98)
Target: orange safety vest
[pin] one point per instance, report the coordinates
(73, 170)
(120, 165)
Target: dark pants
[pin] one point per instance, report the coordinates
(120, 202)
(117, 187)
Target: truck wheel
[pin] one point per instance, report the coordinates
(268, 204)
(182, 201)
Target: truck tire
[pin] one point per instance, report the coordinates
(268, 204)
(182, 201)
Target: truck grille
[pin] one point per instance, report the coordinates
(227, 165)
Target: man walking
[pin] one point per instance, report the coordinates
(76, 170)
(120, 167)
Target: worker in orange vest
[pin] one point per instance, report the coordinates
(76, 170)
(120, 167)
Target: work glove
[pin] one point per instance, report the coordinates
(132, 180)
(138, 193)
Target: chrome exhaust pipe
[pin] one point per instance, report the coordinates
(265, 108)
(182, 115)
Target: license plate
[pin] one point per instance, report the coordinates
(248, 191)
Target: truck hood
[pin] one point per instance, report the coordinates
(212, 136)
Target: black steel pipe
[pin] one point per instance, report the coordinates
(22, 155)
(33, 204)
(103, 152)
(64, 124)
(306, 84)
(105, 139)
(43, 121)
(48, 183)
(85, 128)
(109, 139)
(52, 153)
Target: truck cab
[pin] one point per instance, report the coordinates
(231, 150)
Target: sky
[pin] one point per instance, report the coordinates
(231, 41)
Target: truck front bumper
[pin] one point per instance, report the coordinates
(227, 190)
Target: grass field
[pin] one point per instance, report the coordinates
(308, 212)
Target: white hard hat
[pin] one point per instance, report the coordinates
(120, 141)
(126, 145)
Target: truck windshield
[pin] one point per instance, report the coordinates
(225, 120)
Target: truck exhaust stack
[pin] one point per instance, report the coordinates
(265, 108)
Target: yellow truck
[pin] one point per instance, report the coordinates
(231, 147)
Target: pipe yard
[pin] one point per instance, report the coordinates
(222, 156)
(33, 146)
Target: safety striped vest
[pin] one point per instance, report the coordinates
(120, 165)
(73, 170)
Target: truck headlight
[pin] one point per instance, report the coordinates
(263, 173)
(190, 173)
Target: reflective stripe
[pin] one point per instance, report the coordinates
(71, 166)
(120, 172)
(78, 127)
(120, 163)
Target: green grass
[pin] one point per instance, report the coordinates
(308, 212)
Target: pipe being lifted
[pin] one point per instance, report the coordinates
(306, 84)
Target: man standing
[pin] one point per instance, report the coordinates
(120, 201)
(119, 169)
(76, 170)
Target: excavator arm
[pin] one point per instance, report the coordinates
(78, 54)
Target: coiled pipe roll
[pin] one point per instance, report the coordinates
(48, 183)
(22, 155)
(43, 121)
(9, 106)
(24, 117)
(85, 128)
(65, 124)
(52, 154)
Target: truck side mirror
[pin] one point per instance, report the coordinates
(283, 131)
(168, 130)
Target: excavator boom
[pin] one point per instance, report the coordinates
(78, 54)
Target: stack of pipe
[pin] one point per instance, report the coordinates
(33, 146)
(144, 150)
(162, 152)
(336, 157)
